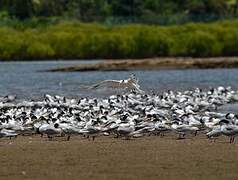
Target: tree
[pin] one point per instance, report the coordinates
(127, 8)
(21, 9)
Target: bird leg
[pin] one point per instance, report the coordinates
(117, 136)
(196, 132)
(181, 136)
(127, 138)
(50, 138)
(233, 139)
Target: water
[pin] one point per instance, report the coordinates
(25, 80)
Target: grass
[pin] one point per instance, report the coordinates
(75, 40)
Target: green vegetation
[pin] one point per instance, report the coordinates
(89, 29)
(74, 40)
(123, 11)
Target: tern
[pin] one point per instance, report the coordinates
(130, 84)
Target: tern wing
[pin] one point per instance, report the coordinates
(107, 83)
(137, 87)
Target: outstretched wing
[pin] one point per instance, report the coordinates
(130, 84)
(134, 84)
(107, 83)
(136, 87)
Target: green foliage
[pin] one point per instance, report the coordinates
(123, 11)
(10, 44)
(74, 40)
(229, 41)
(39, 50)
(21, 9)
(202, 44)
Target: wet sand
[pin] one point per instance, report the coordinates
(152, 64)
(109, 158)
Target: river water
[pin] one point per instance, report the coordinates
(26, 81)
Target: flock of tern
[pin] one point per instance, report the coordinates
(130, 115)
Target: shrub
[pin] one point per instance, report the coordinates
(40, 50)
(202, 44)
(74, 40)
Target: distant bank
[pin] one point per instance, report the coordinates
(153, 64)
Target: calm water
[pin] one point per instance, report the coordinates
(25, 80)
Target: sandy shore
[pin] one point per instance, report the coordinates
(153, 64)
(108, 158)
